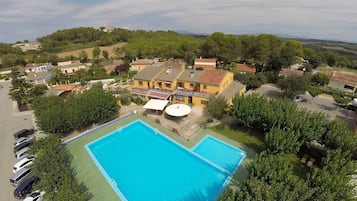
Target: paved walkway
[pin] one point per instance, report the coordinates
(187, 127)
(10, 121)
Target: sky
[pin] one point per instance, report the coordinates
(313, 19)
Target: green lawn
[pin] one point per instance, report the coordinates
(247, 137)
(88, 173)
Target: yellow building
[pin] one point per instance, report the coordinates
(193, 87)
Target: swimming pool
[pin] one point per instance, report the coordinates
(140, 163)
(220, 153)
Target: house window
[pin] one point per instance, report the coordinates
(204, 102)
(180, 98)
(204, 86)
(180, 84)
(140, 83)
(168, 85)
(191, 85)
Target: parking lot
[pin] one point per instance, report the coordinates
(10, 121)
(321, 103)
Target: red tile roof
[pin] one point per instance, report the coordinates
(204, 66)
(214, 77)
(344, 78)
(246, 68)
(286, 71)
(69, 87)
(159, 95)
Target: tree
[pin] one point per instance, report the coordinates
(53, 166)
(314, 91)
(294, 85)
(54, 115)
(282, 141)
(83, 56)
(320, 79)
(105, 54)
(96, 53)
(252, 81)
(216, 106)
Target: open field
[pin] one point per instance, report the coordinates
(110, 49)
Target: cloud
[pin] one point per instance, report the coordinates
(326, 18)
(21, 11)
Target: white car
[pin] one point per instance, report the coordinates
(25, 162)
(35, 196)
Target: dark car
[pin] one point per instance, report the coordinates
(24, 133)
(23, 142)
(347, 106)
(25, 187)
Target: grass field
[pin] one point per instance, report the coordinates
(88, 173)
(110, 49)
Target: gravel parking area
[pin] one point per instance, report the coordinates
(322, 103)
(10, 121)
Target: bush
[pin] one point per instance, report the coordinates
(126, 98)
(340, 99)
(315, 91)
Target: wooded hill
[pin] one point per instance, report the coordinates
(267, 51)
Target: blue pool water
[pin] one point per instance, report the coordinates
(140, 163)
(220, 153)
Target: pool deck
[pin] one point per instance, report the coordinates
(88, 173)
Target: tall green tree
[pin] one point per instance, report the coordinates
(216, 106)
(96, 53)
(53, 166)
(294, 85)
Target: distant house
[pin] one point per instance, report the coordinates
(69, 67)
(172, 63)
(344, 81)
(25, 46)
(38, 77)
(246, 69)
(288, 72)
(205, 63)
(37, 67)
(64, 90)
(140, 64)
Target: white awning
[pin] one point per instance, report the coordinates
(156, 104)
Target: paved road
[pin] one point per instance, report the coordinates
(10, 122)
(320, 103)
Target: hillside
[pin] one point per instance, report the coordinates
(110, 49)
(341, 48)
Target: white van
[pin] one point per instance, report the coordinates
(25, 162)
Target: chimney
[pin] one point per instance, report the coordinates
(192, 74)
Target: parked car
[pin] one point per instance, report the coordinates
(25, 162)
(24, 133)
(347, 106)
(20, 153)
(25, 187)
(27, 155)
(35, 196)
(23, 142)
(19, 176)
(299, 99)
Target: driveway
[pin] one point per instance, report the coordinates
(322, 103)
(10, 122)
